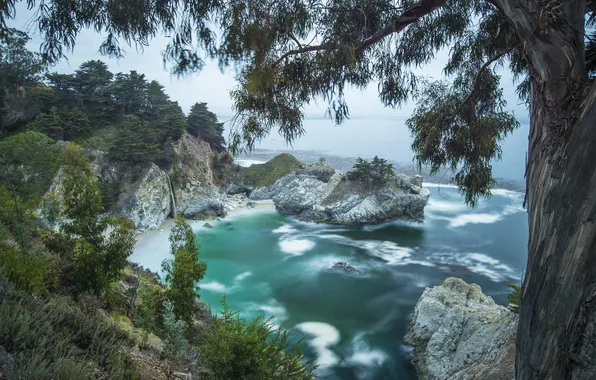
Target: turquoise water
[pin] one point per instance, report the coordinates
(354, 324)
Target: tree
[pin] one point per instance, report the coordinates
(63, 124)
(184, 271)
(135, 141)
(371, 174)
(232, 348)
(281, 69)
(93, 248)
(203, 124)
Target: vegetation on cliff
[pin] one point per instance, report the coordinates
(266, 174)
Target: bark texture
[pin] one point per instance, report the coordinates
(557, 328)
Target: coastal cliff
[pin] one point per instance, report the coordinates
(459, 333)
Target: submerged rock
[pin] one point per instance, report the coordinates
(457, 332)
(344, 267)
(207, 225)
(342, 201)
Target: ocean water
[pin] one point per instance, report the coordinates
(279, 267)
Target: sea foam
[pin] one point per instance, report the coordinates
(295, 246)
(324, 336)
(213, 286)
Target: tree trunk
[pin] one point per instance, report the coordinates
(557, 328)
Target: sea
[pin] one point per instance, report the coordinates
(353, 325)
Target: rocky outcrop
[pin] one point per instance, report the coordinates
(320, 170)
(204, 208)
(458, 333)
(147, 202)
(342, 201)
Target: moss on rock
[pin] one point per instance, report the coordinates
(266, 174)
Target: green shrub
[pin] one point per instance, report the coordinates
(175, 344)
(514, 298)
(231, 348)
(28, 271)
(371, 174)
(54, 339)
(150, 310)
(266, 174)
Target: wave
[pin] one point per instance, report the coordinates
(213, 286)
(484, 218)
(284, 229)
(296, 246)
(364, 355)
(388, 251)
(246, 163)
(242, 276)
(324, 336)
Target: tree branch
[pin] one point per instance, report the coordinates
(408, 17)
(482, 68)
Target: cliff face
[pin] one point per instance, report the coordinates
(458, 333)
(141, 192)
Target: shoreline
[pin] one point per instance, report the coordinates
(152, 247)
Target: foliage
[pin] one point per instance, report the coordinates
(175, 345)
(266, 174)
(28, 163)
(372, 174)
(63, 124)
(514, 298)
(184, 271)
(135, 142)
(149, 314)
(233, 348)
(203, 124)
(28, 270)
(91, 257)
(20, 72)
(54, 339)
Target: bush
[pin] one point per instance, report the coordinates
(372, 174)
(28, 271)
(54, 339)
(150, 310)
(234, 349)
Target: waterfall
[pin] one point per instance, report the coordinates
(172, 196)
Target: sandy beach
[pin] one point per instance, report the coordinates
(153, 247)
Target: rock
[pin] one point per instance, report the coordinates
(344, 267)
(261, 175)
(320, 170)
(207, 225)
(250, 204)
(202, 208)
(342, 201)
(459, 333)
(148, 201)
(234, 189)
(6, 364)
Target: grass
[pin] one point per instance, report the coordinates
(266, 174)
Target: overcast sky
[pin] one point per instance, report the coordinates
(213, 86)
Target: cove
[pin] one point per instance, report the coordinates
(273, 265)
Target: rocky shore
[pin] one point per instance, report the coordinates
(459, 333)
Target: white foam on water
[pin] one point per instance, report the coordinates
(483, 258)
(322, 263)
(364, 355)
(296, 246)
(507, 193)
(213, 286)
(430, 184)
(247, 163)
(323, 336)
(274, 309)
(444, 206)
(389, 251)
(465, 219)
(284, 229)
(242, 276)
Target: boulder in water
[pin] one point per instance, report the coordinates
(207, 225)
(458, 332)
(344, 267)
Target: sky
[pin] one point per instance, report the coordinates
(370, 122)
